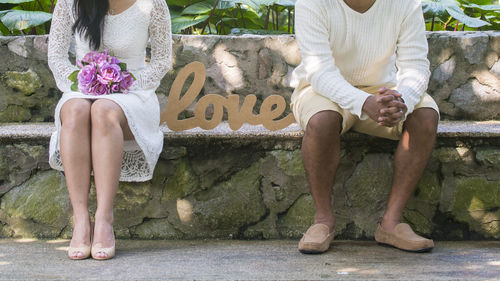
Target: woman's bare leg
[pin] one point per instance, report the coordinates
(109, 128)
(76, 159)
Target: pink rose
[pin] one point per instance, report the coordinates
(87, 74)
(99, 89)
(108, 73)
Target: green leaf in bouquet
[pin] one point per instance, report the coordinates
(133, 77)
(123, 66)
(74, 87)
(74, 76)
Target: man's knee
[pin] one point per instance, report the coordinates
(325, 123)
(425, 120)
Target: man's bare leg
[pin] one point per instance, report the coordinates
(321, 156)
(413, 153)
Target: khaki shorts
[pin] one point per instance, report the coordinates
(305, 103)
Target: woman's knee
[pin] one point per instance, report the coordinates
(325, 123)
(75, 113)
(105, 114)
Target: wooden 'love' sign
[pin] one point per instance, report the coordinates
(272, 107)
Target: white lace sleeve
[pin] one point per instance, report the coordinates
(59, 41)
(161, 48)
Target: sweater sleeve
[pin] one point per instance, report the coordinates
(59, 41)
(161, 49)
(411, 58)
(312, 32)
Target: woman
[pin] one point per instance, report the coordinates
(116, 136)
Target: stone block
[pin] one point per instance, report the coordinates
(477, 203)
(40, 207)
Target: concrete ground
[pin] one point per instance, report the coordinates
(230, 259)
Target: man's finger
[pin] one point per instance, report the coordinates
(385, 98)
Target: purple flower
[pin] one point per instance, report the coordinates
(79, 63)
(108, 73)
(90, 57)
(115, 87)
(113, 60)
(99, 89)
(97, 57)
(87, 74)
(85, 88)
(127, 81)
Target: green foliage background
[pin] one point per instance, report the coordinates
(18, 17)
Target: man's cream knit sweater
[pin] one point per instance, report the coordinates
(342, 49)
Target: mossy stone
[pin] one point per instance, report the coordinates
(156, 229)
(447, 155)
(27, 82)
(488, 156)
(233, 203)
(15, 113)
(367, 191)
(181, 183)
(419, 222)
(42, 200)
(290, 162)
(298, 218)
(429, 187)
(476, 202)
(221, 210)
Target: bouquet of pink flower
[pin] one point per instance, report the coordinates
(101, 74)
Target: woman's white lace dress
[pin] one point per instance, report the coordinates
(127, 35)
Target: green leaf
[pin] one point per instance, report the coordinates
(15, 1)
(123, 66)
(459, 15)
(74, 76)
(483, 7)
(438, 7)
(74, 87)
(198, 8)
(20, 20)
(180, 23)
(206, 6)
(241, 31)
(285, 3)
(133, 77)
(254, 4)
(181, 3)
(479, 2)
(174, 14)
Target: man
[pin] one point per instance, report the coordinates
(364, 67)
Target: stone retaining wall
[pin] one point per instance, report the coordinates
(465, 72)
(227, 189)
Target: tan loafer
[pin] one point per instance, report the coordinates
(403, 238)
(316, 240)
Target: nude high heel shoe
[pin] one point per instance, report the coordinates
(97, 248)
(85, 250)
